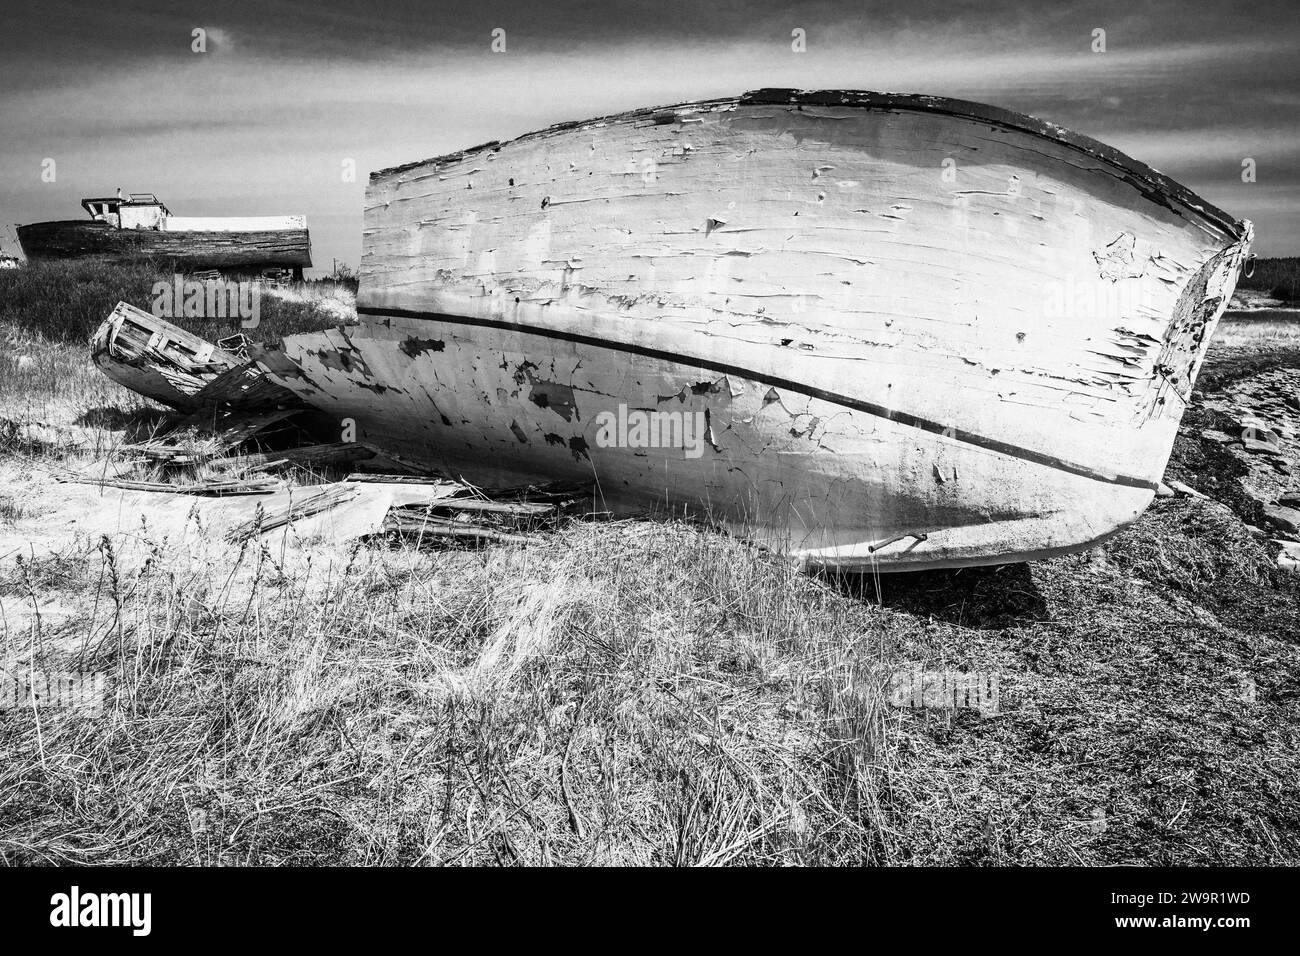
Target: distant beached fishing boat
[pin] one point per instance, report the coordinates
(865, 329)
(139, 226)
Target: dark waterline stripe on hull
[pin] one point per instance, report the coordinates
(869, 408)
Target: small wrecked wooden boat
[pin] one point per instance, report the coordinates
(137, 226)
(869, 330)
(157, 359)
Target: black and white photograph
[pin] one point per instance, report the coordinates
(634, 435)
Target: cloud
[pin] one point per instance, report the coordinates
(219, 40)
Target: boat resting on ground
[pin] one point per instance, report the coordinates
(139, 226)
(868, 330)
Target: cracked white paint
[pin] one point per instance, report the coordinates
(817, 245)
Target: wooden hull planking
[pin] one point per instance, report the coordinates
(157, 359)
(895, 367)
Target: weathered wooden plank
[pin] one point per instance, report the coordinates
(433, 526)
(518, 509)
(208, 432)
(301, 503)
(333, 454)
(215, 488)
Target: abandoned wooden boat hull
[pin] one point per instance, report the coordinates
(909, 332)
(227, 249)
(157, 359)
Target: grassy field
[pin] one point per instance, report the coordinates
(628, 692)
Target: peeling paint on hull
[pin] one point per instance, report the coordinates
(894, 368)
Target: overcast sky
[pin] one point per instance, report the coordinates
(261, 123)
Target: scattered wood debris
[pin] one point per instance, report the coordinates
(1187, 491)
(308, 501)
(434, 514)
(232, 425)
(468, 515)
(423, 526)
(396, 479)
(316, 456)
(223, 400)
(206, 435)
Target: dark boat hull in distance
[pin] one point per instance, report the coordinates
(194, 249)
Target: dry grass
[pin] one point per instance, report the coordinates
(650, 693)
(632, 692)
(335, 301)
(1258, 331)
(611, 697)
